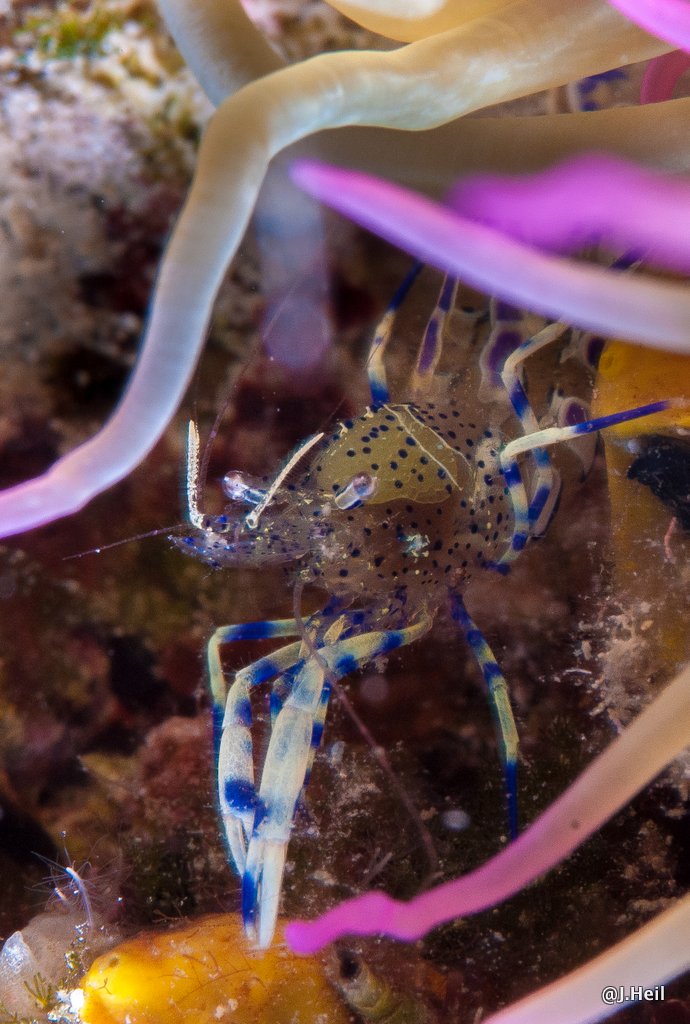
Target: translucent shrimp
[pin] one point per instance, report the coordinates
(391, 513)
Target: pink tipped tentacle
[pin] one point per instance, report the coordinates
(658, 735)
(645, 960)
(585, 201)
(644, 310)
(667, 19)
(661, 76)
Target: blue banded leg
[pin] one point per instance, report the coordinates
(333, 634)
(501, 358)
(376, 371)
(555, 435)
(499, 700)
(544, 438)
(566, 411)
(507, 333)
(237, 796)
(432, 341)
(231, 712)
(520, 506)
(286, 764)
(265, 629)
(335, 631)
(546, 480)
(282, 779)
(339, 628)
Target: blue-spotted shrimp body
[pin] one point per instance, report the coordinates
(390, 514)
(438, 509)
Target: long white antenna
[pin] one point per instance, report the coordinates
(195, 516)
(252, 520)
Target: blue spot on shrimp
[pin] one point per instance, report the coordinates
(390, 514)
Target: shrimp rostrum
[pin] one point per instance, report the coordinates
(390, 513)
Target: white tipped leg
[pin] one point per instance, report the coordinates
(283, 776)
(287, 762)
(232, 730)
(236, 792)
(262, 885)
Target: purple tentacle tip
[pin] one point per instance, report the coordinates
(586, 201)
(500, 235)
(661, 76)
(659, 733)
(668, 19)
(364, 915)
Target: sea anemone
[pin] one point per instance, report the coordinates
(460, 60)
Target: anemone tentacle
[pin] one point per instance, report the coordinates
(493, 56)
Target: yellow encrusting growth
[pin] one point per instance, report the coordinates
(646, 578)
(207, 972)
(631, 375)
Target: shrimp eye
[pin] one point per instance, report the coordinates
(359, 489)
